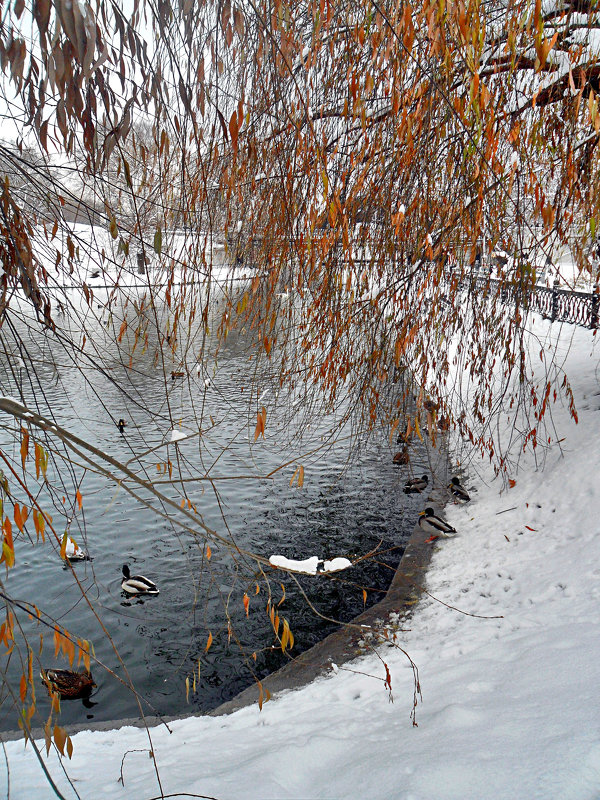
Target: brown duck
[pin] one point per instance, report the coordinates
(67, 683)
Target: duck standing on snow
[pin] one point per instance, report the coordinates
(67, 683)
(137, 584)
(415, 485)
(436, 527)
(458, 491)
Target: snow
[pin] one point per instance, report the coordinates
(336, 564)
(310, 565)
(506, 640)
(307, 565)
(177, 436)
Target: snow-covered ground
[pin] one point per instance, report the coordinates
(509, 665)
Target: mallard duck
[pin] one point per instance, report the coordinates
(401, 457)
(414, 485)
(177, 374)
(436, 527)
(459, 492)
(121, 425)
(137, 584)
(67, 683)
(73, 552)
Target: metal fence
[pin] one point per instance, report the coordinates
(560, 305)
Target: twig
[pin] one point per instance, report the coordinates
(460, 611)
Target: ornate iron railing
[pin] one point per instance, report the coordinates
(557, 305)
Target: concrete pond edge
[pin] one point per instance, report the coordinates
(344, 645)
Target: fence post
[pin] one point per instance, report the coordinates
(554, 311)
(595, 307)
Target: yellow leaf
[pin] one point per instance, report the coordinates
(39, 522)
(418, 428)
(283, 595)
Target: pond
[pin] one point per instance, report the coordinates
(351, 504)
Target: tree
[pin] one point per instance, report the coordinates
(348, 153)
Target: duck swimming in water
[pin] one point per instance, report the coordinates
(458, 491)
(401, 457)
(436, 527)
(415, 485)
(73, 552)
(67, 683)
(137, 584)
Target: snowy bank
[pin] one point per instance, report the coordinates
(508, 655)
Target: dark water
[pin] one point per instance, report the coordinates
(351, 505)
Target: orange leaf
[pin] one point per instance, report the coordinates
(24, 446)
(364, 597)
(208, 552)
(79, 498)
(246, 603)
(48, 737)
(300, 474)
(261, 418)
(209, 641)
(511, 483)
(23, 688)
(234, 130)
(60, 738)
(37, 460)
